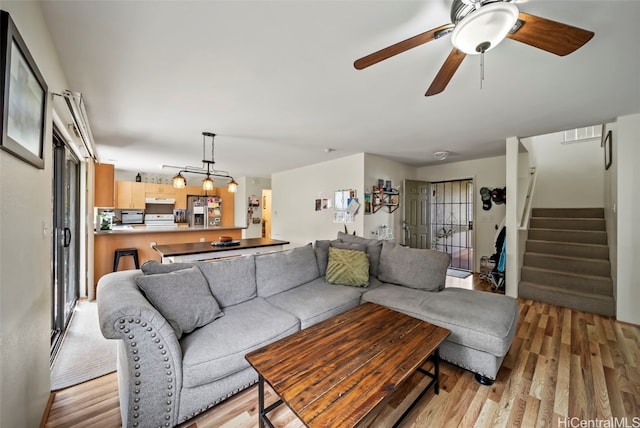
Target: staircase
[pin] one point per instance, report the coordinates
(566, 262)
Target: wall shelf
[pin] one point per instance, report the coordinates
(389, 199)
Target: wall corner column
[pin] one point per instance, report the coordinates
(512, 267)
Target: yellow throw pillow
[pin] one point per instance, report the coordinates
(348, 267)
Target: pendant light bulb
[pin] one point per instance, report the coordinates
(232, 186)
(179, 182)
(207, 183)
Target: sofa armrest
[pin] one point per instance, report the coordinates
(149, 353)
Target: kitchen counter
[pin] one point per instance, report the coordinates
(106, 242)
(188, 252)
(140, 228)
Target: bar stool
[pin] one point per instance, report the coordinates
(121, 252)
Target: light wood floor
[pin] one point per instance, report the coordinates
(562, 364)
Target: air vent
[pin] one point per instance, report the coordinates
(582, 135)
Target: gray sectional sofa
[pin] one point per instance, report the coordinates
(183, 329)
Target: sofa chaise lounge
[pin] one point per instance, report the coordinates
(183, 329)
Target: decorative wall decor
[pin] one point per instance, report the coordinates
(25, 98)
(345, 206)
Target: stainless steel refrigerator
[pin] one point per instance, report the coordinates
(204, 211)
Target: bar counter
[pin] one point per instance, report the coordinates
(105, 243)
(188, 252)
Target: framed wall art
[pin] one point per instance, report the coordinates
(24, 97)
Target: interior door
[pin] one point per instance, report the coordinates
(66, 209)
(416, 227)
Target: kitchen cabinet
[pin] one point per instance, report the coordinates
(130, 194)
(228, 201)
(103, 189)
(181, 198)
(154, 190)
(389, 199)
(195, 190)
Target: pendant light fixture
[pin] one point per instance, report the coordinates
(207, 169)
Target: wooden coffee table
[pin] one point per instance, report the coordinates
(339, 371)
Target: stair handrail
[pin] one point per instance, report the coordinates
(526, 209)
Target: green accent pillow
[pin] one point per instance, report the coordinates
(348, 267)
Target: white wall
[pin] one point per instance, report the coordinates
(295, 192)
(25, 250)
(626, 157)
(610, 207)
(488, 172)
(376, 167)
(569, 175)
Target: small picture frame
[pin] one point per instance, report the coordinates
(380, 184)
(608, 152)
(367, 203)
(24, 98)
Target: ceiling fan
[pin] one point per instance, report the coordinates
(477, 26)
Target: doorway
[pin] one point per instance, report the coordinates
(416, 225)
(452, 221)
(66, 228)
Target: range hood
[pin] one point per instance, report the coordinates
(158, 201)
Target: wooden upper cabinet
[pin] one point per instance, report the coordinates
(228, 202)
(154, 190)
(181, 198)
(103, 190)
(130, 195)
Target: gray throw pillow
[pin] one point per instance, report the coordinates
(152, 267)
(182, 297)
(412, 267)
(374, 247)
(321, 248)
(283, 270)
(231, 280)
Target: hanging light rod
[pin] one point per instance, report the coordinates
(179, 181)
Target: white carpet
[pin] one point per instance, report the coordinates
(84, 354)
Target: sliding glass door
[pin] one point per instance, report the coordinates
(66, 211)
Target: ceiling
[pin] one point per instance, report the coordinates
(275, 80)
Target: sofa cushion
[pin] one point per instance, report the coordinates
(283, 270)
(152, 267)
(413, 267)
(477, 319)
(374, 247)
(316, 301)
(231, 280)
(182, 297)
(348, 267)
(217, 350)
(321, 249)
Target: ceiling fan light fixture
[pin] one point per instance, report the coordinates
(483, 29)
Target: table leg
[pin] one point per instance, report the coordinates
(261, 413)
(436, 371)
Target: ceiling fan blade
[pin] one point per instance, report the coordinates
(551, 36)
(446, 72)
(402, 46)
